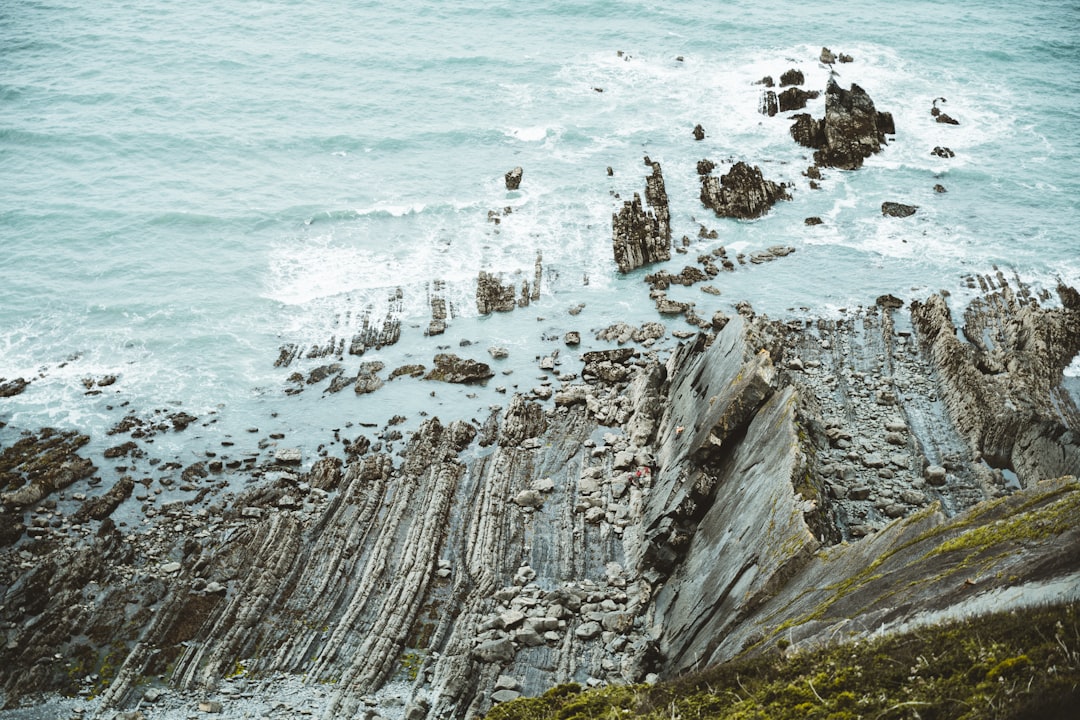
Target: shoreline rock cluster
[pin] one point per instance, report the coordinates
(581, 544)
(642, 513)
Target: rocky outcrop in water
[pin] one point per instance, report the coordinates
(851, 131)
(492, 295)
(513, 178)
(795, 98)
(741, 193)
(641, 236)
(898, 210)
(453, 369)
(11, 388)
(582, 543)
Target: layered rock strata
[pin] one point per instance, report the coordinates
(851, 131)
(641, 236)
(742, 192)
(578, 539)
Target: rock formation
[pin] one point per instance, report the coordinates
(851, 131)
(741, 193)
(492, 295)
(641, 236)
(897, 210)
(453, 369)
(513, 178)
(576, 540)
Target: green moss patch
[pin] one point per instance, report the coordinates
(1022, 664)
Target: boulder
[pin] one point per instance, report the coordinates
(897, 210)
(795, 98)
(792, 77)
(494, 651)
(513, 178)
(742, 193)
(453, 369)
(699, 132)
(505, 695)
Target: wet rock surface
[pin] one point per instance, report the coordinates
(851, 131)
(648, 508)
(641, 236)
(581, 544)
(741, 193)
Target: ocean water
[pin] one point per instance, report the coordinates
(186, 187)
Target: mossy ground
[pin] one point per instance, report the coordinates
(1022, 664)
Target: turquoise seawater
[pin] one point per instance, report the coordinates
(185, 187)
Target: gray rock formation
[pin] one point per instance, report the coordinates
(741, 193)
(513, 178)
(897, 210)
(453, 369)
(492, 295)
(652, 518)
(641, 236)
(851, 131)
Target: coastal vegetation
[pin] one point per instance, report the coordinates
(1019, 664)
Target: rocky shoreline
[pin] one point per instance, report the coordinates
(641, 513)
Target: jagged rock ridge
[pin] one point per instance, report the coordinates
(851, 131)
(740, 193)
(641, 236)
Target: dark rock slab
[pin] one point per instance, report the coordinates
(641, 236)
(513, 178)
(742, 193)
(99, 508)
(898, 210)
(453, 369)
(11, 388)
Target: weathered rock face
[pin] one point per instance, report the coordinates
(1002, 385)
(492, 295)
(453, 369)
(851, 131)
(652, 518)
(640, 236)
(742, 193)
(513, 178)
